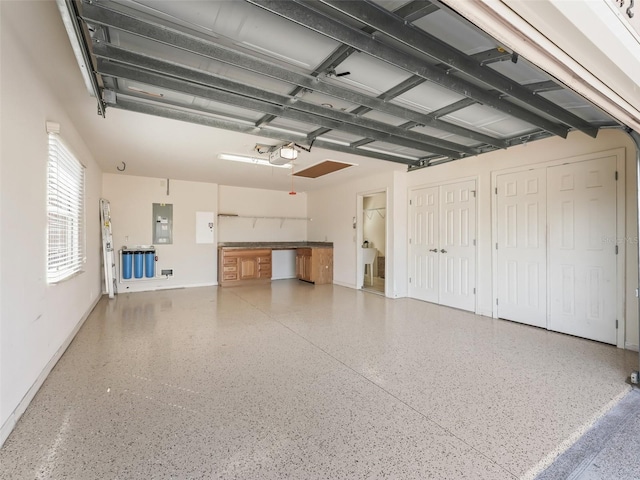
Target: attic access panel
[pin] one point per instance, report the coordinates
(407, 82)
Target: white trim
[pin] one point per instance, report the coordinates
(620, 154)
(13, 418)
(632, 346)
(345, 284)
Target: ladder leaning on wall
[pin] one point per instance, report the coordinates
(108, 259)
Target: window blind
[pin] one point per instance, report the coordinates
(65, 212)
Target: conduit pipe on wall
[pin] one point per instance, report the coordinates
(636, 138)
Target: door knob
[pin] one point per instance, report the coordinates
(434, 250)
(443, 251)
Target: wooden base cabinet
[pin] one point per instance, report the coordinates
(238, 267)
(315, 265)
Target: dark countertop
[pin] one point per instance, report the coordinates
(274, 245)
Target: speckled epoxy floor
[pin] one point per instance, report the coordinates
(294, 381)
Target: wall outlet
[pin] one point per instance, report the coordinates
(167, 272)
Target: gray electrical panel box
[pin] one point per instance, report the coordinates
(162, 223)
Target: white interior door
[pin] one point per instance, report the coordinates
(424, 225)
(522, 246)
(442, 252)
(457, 252)
(582, 251)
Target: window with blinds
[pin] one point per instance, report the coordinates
(65, 212)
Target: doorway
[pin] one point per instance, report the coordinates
(374, 242)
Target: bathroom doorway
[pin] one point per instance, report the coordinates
(374, 241)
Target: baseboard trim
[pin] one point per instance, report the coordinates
(10, 423)
(174, 287)
(631, 346)
(344, 284)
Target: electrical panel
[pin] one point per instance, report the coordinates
(162, 223)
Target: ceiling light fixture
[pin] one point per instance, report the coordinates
(245, 159)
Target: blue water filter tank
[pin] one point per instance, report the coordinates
(150, 264)
(127, 264)
(138, 264)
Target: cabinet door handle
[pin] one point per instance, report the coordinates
(443, 251)
(434, 250)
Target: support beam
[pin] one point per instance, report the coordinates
(454, 107)
(317, 21)
(186, 116)
(200, 85)
(337, 57)
(540, 87)
(417, 9)
(94, 14)
(390, 24)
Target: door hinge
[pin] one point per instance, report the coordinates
(474, 242)
(616, 175)
(616, 249)
(410, 202)
(409, 279)
(474, 193)
(496, 245)
(616, 323)
(474, 291)
(496, 190)
(409, 241)
(496, 301)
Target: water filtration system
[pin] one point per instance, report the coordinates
(138, 262)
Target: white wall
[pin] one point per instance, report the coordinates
(131, 200)
(539, 152)
(37, 320)
(333, 210)
(248, 202)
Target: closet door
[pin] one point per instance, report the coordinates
(522, 246)
(423, 248)
(582, 252)
(442, 250)
(457, 245)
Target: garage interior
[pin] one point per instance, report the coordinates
(508, 322)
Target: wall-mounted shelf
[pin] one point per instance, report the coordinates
(255, 218)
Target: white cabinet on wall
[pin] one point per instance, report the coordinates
(556, 251)
(442, 250)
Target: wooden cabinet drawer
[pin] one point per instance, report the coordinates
(230, 268)
(230, 260)
(264, 260)
(230, 276)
